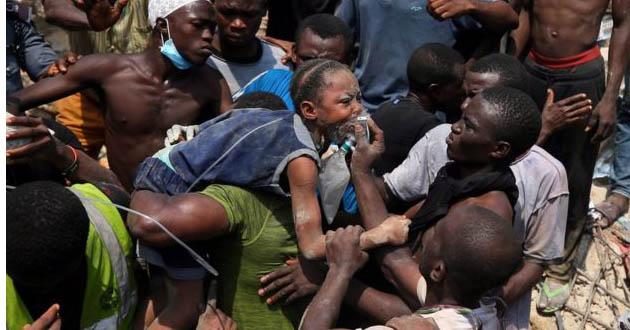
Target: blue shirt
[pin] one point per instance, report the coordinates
(26, 50)
(275, 81)
(388, 32)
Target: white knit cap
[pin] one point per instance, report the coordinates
(163, 8)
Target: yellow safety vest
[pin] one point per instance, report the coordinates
(110, 294)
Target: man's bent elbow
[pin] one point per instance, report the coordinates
(312, 251)
(147, 231)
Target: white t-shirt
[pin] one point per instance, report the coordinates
(540, 212)
(457, 318)
(238, 75)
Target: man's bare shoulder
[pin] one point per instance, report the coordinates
(110, 63)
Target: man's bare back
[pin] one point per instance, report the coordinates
(141, 102)
(561, 28)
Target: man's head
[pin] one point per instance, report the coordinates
(239, 20)
(496, 127)
(47, 230)
(322, 36)
(495, 70)
(469, 251)
(437, 71)
(260, 99)
(326, 94)
(189, 24)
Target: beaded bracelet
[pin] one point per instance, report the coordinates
(75, 163)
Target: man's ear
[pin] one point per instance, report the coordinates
(162, 27)
(501, 150)
(308, 110)
(434, 91)
(438, 272)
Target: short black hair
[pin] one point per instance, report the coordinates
(326, 26)
(47, 228)
(309, 78)
(263, 2)
(486, 254)
(433, 64)
(518, 118)
(510, 70)
(260, 99)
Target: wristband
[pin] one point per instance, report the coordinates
(75, 163)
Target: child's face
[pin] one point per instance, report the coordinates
(340, 101)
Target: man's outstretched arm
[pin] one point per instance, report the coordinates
(90, 71)
(98, 15)
(496, 16)
(65, 14)
(396, 263)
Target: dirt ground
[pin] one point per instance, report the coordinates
(603, 307)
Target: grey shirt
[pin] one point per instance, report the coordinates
(540, 212)
(238, 75)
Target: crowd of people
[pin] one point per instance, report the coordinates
(382, 164)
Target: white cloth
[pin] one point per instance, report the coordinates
(540, 212)
(163, 8)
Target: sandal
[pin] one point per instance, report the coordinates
(553, 296)
(603, 215)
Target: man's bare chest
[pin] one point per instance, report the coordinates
(139, 107)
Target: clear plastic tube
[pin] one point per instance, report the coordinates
(192, 253)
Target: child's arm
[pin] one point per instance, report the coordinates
(302, 174)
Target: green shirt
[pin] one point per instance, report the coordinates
(129, 35)
(261, 238)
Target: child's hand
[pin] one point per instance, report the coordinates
(396, 228)
(392, 231)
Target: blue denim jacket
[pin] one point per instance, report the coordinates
(26, 50)
(245, 147)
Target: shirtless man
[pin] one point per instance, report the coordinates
(564, 57)
(149, 92)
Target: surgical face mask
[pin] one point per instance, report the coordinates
(170, 51)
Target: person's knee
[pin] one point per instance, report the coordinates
(182, 302)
